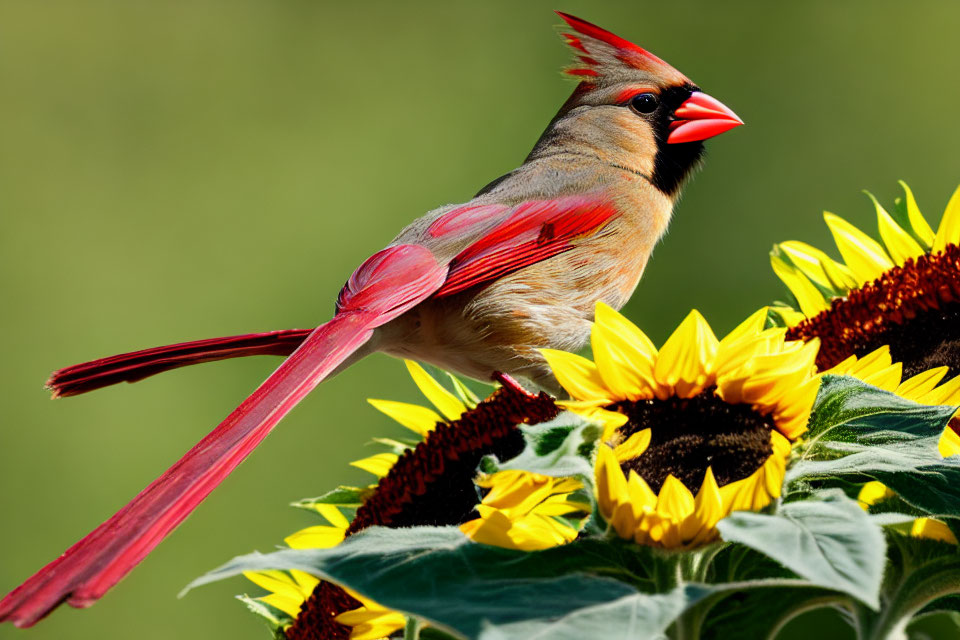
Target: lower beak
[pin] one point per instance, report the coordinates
(701, 117)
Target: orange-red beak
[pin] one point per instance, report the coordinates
(701, 117)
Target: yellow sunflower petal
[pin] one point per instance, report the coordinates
(921, 228)
(744, 494)
(818, 266)
(318, 537)
(379, 464)
(675, 500)
(921, 384)
(371, 624)
(949, 444)
(532, 532)
(947, 393)
(778, 374)
(933, 530)
(876, 368)
(707, 512)
(273, 581)
(873, 492)
(288, 604)
(949, 230)
(577, 375)
(887, 379)
(516, 491)
(633, 447)
(787, 316)
(749, 328)
(641, 495)
(448, 404)
(593, 411)
(332, 514)
(624, 355)
(686, 361)
(809, 298)
(491, 528)
(900, 245)
(624, 518)
(418, 419)
(611, 486)
(305, 581)
(862, 254)
(793, 414)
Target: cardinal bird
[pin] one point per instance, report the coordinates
(475, 288)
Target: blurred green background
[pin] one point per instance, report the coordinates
(178, 170)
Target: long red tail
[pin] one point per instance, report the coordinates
(90, 567)
(137, 365)
(384, 287)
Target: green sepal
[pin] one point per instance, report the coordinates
(273, 617)
(342, 496)
(466, 395)
(398, 447)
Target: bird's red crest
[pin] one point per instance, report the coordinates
(601, 53)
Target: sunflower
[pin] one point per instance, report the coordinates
(289, 590)
(903, 291)
(526, 511)
(697, 429)
(426, 480)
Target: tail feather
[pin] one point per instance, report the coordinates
(137, 365)
(385, 286)
(94, 564)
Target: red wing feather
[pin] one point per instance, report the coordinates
(535, 231)
(137, 365)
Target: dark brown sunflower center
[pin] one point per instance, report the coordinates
(431, 484)
(689, 435)
(914, 308)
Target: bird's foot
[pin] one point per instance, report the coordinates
(508, 382)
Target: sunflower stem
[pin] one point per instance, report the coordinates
(412, 630)
(691, 567)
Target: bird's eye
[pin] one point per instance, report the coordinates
(644, 102)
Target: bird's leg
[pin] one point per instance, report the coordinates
(509, 383)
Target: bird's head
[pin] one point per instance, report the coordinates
(633, 109)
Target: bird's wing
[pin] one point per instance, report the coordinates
(528, 233)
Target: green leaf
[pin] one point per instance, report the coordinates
(828, 540)
(476, 590)
(561, 447)
(860, 433)
(342, 496)
(633, 617)
(760, 613)
(935, 625)
(847, 410)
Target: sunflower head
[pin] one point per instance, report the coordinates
(694, 430)
(902, 291)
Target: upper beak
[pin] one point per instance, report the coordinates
(701, 117)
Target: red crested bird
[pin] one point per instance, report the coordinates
(475, 288)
